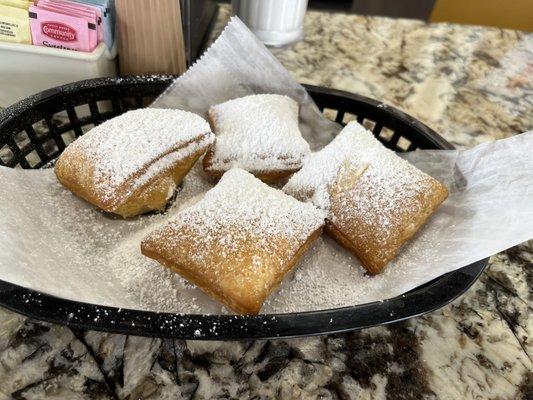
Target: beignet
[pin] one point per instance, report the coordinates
(238, 242)
(257, 133)
(375, 201)
(132, 163)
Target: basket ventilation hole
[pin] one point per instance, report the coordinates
(60, 119)
(348, 117)
(129, 103)
(368, 124)
(6, 155)
(330, 113)
(403, 144)
(22, 140)
(40, 128)
(50, 147)
(104, 106)
(87, 128)
(33, 158)
(83, 111)
(117, 107)
(68, 137)
(386, 134)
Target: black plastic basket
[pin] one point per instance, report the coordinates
(35, 131)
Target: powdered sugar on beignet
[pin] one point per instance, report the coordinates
(113, 160)
(257, 133)
(352, 150)
(319, 170)
(374, 199)
(243, 205)
(239, 241)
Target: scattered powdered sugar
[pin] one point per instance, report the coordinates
(326, 277)
(151, 284)
(121, 146)
(148, 284)
(258, 133)
(141, 275)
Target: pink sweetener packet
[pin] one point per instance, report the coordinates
(92, 17)
(61, 31)
(78, 8)
(93, 34)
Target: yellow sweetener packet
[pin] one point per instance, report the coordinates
(14, 25)
(24, 4)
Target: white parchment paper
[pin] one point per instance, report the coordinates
(53, 242)
(237, 64)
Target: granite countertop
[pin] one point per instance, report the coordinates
(471, 84)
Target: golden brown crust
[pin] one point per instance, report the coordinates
(234, 281)
(237, 242)
(76, 172)
(154, 195)
(373, 249)
(375, 200)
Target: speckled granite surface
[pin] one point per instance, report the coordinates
(472, 84)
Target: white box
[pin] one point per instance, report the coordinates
(27, 69)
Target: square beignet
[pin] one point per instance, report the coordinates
(132, 163)
(257, 133)
(238, 242)
(375, 201)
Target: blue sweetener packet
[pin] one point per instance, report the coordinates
(108, 18)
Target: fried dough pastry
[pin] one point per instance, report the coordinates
(375, 201)
(257, 133)
(238, 242)
(132, 163)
